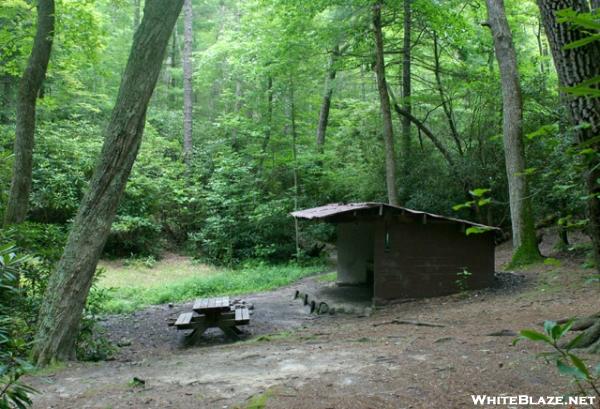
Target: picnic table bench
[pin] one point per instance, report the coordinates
(214, 313)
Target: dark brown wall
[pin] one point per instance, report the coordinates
(423, 259)
(354, 251)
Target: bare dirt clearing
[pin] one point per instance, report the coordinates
(342, 361)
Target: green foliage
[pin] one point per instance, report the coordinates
(13, 347)
(462, 278)
(240, 222)
(583, 374)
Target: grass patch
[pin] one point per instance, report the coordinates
(327, 278)
(131, 288)
(259, 401)
(273, 337)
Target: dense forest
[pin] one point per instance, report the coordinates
(131, 128)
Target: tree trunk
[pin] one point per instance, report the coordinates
(29, 87)
(6, 97)
(575, 66)
(174, 57)
(326, 104)
(292, 116)
(525, 248)
(68, 287)
(187, 82)
(388, 132)
(406, 104)
(267, 137)
(237, 108)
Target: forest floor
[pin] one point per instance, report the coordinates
(290, 359)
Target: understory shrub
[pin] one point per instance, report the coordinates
(13, 346)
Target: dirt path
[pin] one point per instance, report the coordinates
(335, 361)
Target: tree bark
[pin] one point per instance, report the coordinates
(29, 87)
(267, 137)
(406, 104)
(575, 66)
(69, 286)
(326, 104)
(6, 99)
(188, 96)
(525, 248)
(388, 132)
(293, 131)
(174, 56)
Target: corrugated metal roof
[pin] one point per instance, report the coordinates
(332, 209)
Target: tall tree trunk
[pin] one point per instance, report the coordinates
(293, 131)
(525, 247)
(6, 97)
(267, 137)
(29, 87)
(237, 108)
(388, 132)
(174, 56)
(575, 66)
(188, 97)
(406, 104)
(69, 286)
(326, 104)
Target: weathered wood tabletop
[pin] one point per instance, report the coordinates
(214, 312)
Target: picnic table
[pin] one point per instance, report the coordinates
(214, 313)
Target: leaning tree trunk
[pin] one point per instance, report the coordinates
(187, 82)
(525, 248)
(388, 132)
(29, 87)
(575, 66)
(68, 287)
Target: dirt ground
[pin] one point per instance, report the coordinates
(291, 359)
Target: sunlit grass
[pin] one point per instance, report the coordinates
(172, 268)
(132, 287)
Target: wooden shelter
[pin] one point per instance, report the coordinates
(404, 253)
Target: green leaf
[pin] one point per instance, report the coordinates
(479, 192)
(579, 364)
(561, 330)
(477, 230)
(485, 201)
(462, 206)
(535, 336)
(581, 42)
(571, 371)
(549, 327)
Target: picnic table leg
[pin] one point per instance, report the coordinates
(195, 334)
(230, 331)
